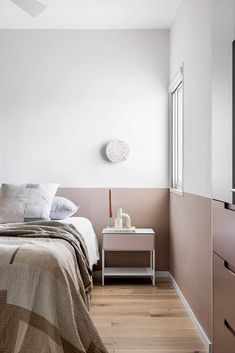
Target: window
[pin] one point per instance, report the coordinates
(176, 98)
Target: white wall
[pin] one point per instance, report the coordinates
(65, 93)
(223, 36)
(1, 145)
(190, 45)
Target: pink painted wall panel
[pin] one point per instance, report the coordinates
(148, 208)
(191, 253)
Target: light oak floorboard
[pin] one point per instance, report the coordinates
(140, 318)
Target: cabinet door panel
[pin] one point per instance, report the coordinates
(224, 337)
(224, 232)
(224, 289)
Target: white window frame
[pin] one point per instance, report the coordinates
(177, 135)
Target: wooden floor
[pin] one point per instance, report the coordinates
(139, 318)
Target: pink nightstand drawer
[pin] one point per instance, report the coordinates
(128, 242)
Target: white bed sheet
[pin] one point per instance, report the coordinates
(85, 228)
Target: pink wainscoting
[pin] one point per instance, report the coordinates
(191, 253)
(147, 208)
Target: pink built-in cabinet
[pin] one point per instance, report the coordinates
(223, 277)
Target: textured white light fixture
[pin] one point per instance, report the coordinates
(117, 151)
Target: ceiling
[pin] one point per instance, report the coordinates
(91, 14)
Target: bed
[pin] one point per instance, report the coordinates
(45, 280)
(84, 226)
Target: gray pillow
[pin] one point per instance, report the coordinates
(62, 208)
(36, 199)
(11, 211)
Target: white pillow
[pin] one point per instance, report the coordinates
(62, 208)
(36, 198)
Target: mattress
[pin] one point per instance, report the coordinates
(85, 228)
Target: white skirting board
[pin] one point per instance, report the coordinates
(195, 322)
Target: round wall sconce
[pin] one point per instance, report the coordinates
(117, 151)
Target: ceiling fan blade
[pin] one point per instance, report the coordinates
(32, 7)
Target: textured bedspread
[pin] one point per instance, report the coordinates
(44, 282)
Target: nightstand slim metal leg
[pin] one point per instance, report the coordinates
(103, 267)
(153, 267)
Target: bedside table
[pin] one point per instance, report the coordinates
(141, 240)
